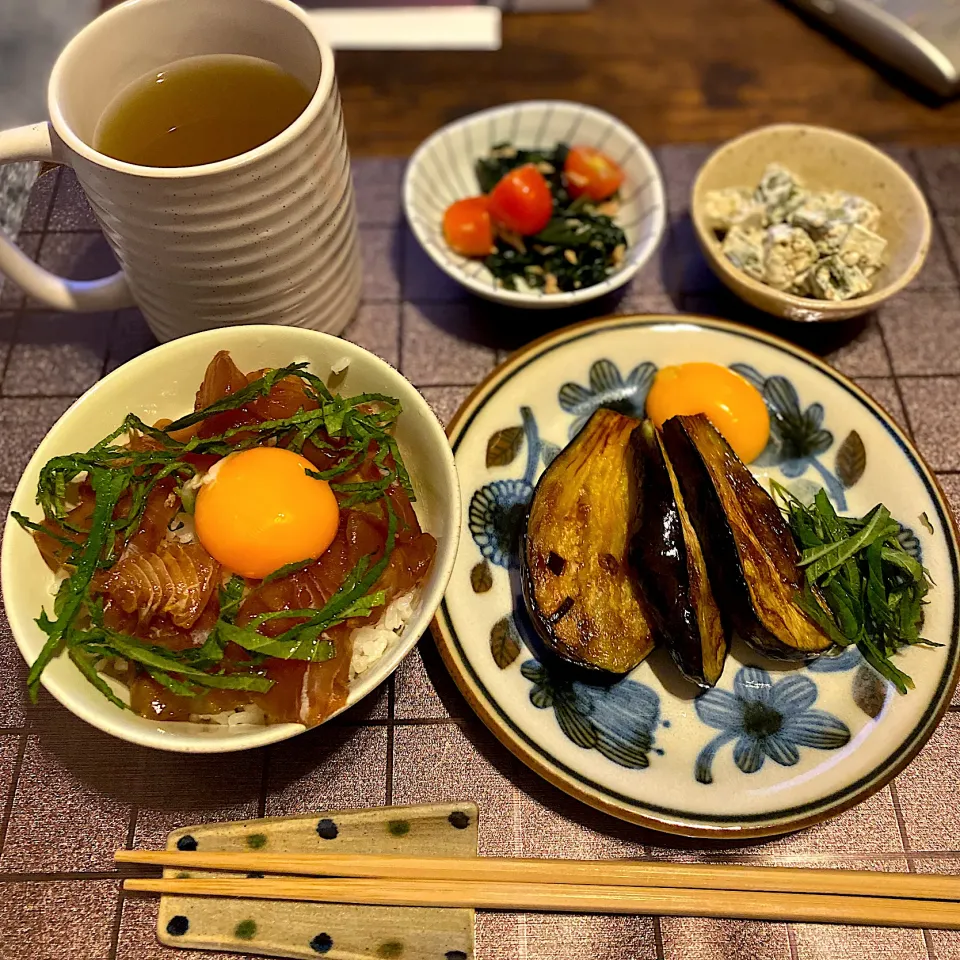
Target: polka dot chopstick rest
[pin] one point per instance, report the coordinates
(333, 931)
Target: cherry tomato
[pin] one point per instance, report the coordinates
(467, 228)
(588, 171)
(521, 202)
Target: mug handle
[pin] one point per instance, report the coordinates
(33, 142)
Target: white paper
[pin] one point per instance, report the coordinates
(411, 28)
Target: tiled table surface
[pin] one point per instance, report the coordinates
(69, 795)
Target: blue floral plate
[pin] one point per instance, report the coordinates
(773, 747)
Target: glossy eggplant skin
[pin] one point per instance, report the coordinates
(669, 563)
(579, 590)
(751, 555)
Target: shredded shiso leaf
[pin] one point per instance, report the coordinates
(116, 473)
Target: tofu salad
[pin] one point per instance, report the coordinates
(819, 244)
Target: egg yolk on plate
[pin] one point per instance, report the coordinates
(734, 406)
(258, 510)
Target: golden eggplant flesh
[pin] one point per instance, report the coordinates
(670, 565)
(579, 590)
(751, 555)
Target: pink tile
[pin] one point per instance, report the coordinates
(71, 807)
(932, 783)
(938, 269)
(57, 354)
(436, 763)
(13, 678)
(701, 938)
(329, 768)
(41, 195)
(445, 401)
(884, 391)
(941, 168)
(423, 280)
(823, 941)
(78, 256)
(445, 343)
(71, 211)
(638, 299)
(380, 247)
(50, 921)
(374, 706)
(131, 336)
(951, 487)
(11, 296)
(538, 936)
(521, 814)
(552, 936)
(685, 270)
(177, 790)
(679, 165)
(500, 935)
(932, 404)
(862, 356)
(376, 328)
(23, 424)
(10, 744)
(425, 689)
(377, 184)
(922, 330)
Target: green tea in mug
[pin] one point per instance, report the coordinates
(200, 110)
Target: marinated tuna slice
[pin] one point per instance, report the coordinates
(176, 580)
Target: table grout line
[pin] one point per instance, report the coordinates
(113, 329)
(264, 783)
(14, 785)
(896, 383)
(14, 336)
(792, 942)
(658, 937)
(391, 736)
(118, 913)
(936, 215)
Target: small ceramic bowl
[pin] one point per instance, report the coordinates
(442, 171)
(825, 160)
(162, 383)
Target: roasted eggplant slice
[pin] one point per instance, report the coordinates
(751, 555)
(669, 563)
(579, 590)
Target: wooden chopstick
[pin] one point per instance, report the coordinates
(628, 873)
(565, 897)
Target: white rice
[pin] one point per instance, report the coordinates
(337, 368)
(371, 643)
(369, 646)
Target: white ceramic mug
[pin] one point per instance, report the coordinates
(268, 236)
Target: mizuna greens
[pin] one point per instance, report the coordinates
(873, 587)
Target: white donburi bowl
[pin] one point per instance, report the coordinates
(442, 171)
(163, 383)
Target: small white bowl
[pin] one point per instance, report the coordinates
(442, 171)
(162, 383)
